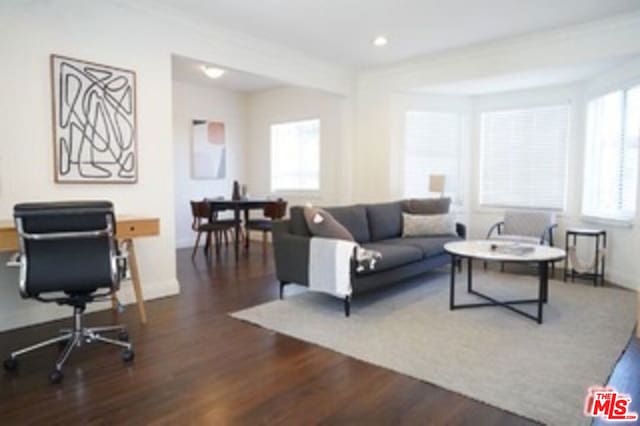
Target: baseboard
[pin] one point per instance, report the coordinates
(35, 312)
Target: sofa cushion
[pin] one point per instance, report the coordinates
(354, 218)
(427, 205)
(430, 246)
(385, 220)
(297, 222)
(427, 225)
(393, 255)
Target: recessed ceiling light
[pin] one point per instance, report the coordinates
(212, 72)
(380, 41)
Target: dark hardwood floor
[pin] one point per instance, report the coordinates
(195, 364)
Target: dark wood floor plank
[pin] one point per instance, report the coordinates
(195, 364)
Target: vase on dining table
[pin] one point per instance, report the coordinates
(236, 191)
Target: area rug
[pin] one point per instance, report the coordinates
(490, 354)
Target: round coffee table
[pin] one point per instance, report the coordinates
(503, 252)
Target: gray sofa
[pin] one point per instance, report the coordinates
(373, 226)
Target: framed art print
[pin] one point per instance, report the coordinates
(208, 150)
(94, 122)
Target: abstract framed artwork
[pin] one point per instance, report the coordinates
(94, 122)
(208, 150)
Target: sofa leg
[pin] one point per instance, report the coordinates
(282, 284)
(347, 306)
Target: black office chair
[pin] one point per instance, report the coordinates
(69, 255)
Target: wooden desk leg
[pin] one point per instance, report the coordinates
(135, 278)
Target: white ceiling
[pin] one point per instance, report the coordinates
(189, 70)
(342, 30)
(529, 79)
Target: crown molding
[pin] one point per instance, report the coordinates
(625, 28)
(231, 48)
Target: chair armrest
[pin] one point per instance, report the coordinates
(548, 232)
(496, 226)
(291, 252)
(461, 230)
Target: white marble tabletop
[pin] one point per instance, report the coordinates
(481, 249)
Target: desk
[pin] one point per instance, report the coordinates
(237, 206)
(128, 228)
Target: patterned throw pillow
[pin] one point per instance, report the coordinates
(417, 225)
(322, 224)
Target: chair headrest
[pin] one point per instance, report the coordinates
(59, 208)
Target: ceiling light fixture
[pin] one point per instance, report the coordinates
(213, 72)
(380, 41)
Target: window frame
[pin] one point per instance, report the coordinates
(309, 193)
(462, 117)
(479, 134)
(594, 216)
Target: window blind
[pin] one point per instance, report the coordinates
(611, 155)
(432, 147)
(524, 157)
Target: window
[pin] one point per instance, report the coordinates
(524, 157)
(295, 156)
(432, 147)
(611, 156)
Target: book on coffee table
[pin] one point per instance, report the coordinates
(515, 249)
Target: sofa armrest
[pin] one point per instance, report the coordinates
(291, 252)
(461, 230)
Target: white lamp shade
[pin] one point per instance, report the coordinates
(436, 183)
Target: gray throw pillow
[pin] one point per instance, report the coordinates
(322, 224)
(427, 205)
(416, 225)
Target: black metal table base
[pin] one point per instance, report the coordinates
(543, 291)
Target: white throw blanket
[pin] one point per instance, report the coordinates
(330, 266)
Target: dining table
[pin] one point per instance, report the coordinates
(238, 207)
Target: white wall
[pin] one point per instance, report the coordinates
(381, 99)
(291, 104)
(204, 103)
(37, 30)
(623, 240)
(131, 35)
(604, 40)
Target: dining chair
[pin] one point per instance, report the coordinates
(272, 211)
(206, 221)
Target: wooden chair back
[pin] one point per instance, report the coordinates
(275, 210)
(200, 211)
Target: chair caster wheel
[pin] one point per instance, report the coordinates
(10, 364)
(123, 336)
(55, 377)
(128, 355)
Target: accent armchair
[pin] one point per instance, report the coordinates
(524, 226)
